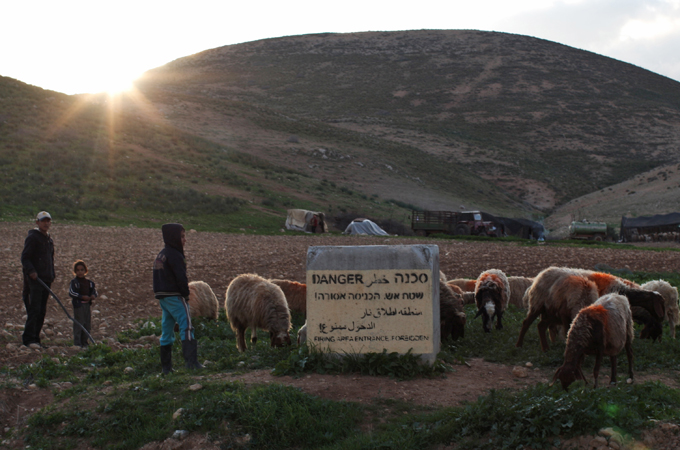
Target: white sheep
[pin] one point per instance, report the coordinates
(202, 300)
(518, 286)
(601, 329)
(253, 302)
(670, 296)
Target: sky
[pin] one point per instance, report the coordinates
(89, 46)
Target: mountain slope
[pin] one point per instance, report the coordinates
(540, 122)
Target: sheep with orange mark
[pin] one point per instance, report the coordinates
(556, 295)
(451, 313)
(466, 284)
(518, 286)
(601, 329)
(492, 292)
(253, 302)
(296, 294)
(670, 296)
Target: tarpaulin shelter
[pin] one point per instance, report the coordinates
(523, 228)
(649, 225)
(364, 226)
(303, 220)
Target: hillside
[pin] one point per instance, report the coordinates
(538, 121)
(366, 123)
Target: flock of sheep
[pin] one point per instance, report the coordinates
(594, 310)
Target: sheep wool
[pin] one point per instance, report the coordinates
(518, 286)
(296, 294)
(451, 313)
(670, 296)
(466, 284)
(601, 329)
(202, 300)
(492, 292)
(253, 302)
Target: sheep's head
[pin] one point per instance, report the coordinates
(652, 301)
(652, 330)
(567, 374)
(488, 296)
(279, 338)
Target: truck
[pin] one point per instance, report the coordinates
(424, 223)
(594, 231)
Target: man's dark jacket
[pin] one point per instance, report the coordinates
(38, 256)
(170, 268)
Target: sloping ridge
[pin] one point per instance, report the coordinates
(532, 120)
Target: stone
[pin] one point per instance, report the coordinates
(177, 413)
(195, 387)
(372, 298)
(520, 372)
(34, 346)
(108, 383)
(180, 434)
(528, 364)
(11, 347)
(129, 370)
(33, 386)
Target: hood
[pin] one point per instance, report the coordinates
(172, 235)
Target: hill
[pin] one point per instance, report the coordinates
(366, 123)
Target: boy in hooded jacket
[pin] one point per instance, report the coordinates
(171, 288)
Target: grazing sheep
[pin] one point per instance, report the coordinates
(492, 293)
(302, 334)
(468, 297)
(296, 294)
(253, 302)
(556, 295)
(601, 329)
(451, 313)
(518, 286)
(670, 296)
(466, 284)
(202, 300)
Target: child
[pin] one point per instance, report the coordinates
(83, 292)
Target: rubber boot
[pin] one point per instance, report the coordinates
(190, 352)
(166, 359)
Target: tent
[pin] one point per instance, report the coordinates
(301, 220)
(364, 226)
(523, 228)
(633, 227)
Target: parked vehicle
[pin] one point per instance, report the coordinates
(594, 231)
(424, 223)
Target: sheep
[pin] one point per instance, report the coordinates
(202, 300)
(466, 284)
(302, 334)
(556, 295)
(492, 293)
(468, 297)
(518, 286)
(451, 313)
(670, 296)
(253, 302)
(296, 294)
(601, 329)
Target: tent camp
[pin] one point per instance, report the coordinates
(303, 220)
(650, 228)
(364, 226)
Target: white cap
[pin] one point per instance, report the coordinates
(43, 215)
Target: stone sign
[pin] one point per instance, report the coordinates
(369, 298)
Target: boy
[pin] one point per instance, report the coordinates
(83, 292)
(37, 261)
(171, 288)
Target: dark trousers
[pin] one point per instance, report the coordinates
(35, 312)
(82, 314)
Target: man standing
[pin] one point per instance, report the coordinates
(37, 260)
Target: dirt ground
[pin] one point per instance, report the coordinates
(120, 261)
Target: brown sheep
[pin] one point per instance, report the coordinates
(518, 286)
(451, 313)
(556, 295)
(466, 284)
(253, 302)
(601, 329)
(202, 300)
(296, 294)
(492, 292)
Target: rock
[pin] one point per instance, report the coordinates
(520, 372)
(629, 381)
(529, 364)
(177, 413)
(66, 385)
(195, 387)
(607, 432)
(598, 442)
(55, 360)
(49, 332)
(33, 386)
(11, 347)
(207, 363)
(34, 346)
(108, 383)
(180, 434)
(129, 370)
